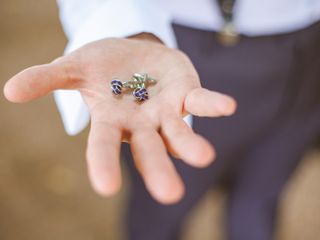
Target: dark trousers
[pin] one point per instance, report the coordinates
(276, 81)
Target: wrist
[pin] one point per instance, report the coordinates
(146, 37)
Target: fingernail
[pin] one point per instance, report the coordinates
(227, 105)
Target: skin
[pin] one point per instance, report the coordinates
(152, 128)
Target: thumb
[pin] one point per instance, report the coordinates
(205, 103)
(37, 81)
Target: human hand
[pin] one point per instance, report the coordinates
(151, 127)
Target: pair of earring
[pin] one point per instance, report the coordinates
(138, 83)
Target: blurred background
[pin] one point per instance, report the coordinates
(44, 190)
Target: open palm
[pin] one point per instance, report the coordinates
(151, 127)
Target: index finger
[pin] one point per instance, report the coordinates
(37, 81)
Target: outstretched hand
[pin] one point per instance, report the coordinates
(151, 127)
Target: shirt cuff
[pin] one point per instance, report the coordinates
(123, 18)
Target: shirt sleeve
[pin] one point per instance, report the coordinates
(85, 21)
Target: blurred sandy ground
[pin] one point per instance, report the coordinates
(44, 191)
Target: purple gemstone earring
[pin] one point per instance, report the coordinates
(141, 94)
(116, 86)
(138, 83)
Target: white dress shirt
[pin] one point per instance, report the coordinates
(89, 20)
